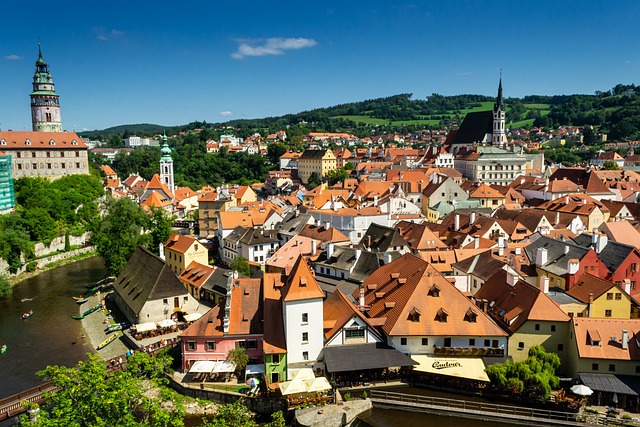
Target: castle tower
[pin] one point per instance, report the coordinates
(45, 103)
(166, 165)
(499, 137)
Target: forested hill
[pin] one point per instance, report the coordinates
(615, 111)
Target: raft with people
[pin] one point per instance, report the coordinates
(27, 314)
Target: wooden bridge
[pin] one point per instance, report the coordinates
(492, 411)
(12, 406)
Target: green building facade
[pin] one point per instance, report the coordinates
(7, 194)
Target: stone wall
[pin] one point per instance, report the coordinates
(43, 262)
(57, 244)
(260, 405)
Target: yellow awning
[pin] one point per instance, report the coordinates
(461, 367)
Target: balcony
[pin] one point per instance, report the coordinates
(469, 351)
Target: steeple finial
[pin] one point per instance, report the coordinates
(39, 51)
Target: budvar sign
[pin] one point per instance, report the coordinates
(445, 364)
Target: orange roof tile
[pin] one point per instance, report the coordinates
(301, 283)
(591, 329)
(337, 311)
(180, 243)
(196, 274)
(41, 140)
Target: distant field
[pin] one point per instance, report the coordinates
(521, 124)
(487, 105)
(538, 106)
(375, 121)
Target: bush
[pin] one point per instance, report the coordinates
(347, 396)
(364, 395)
(5, 287)
(31, 266)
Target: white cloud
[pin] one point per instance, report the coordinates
(226, 113)
(270, 46)
(104, 34)
(12, 57)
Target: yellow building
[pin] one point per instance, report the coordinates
(221, 200)
(604, 299)
(605, 346)
(180, 251)
(530, 316)
(318, 161)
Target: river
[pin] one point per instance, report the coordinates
(50, 336)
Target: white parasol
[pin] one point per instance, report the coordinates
(581, 390)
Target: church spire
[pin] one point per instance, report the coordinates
(166, 165)
(45, 102)
(499, 136)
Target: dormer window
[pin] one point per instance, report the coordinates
(3, 142)
(27, 142)
(434, 291)
(52, 142)
(441, 315)
(414, 315)
(74, 142)
(470, 316)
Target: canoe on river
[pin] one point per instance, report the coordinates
(27, 314)
(108, 341)
(92, 309)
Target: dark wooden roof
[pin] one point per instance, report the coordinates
(474, 127)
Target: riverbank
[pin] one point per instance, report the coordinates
(94, 325)
(82, 254)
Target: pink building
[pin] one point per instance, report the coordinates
(235, 322)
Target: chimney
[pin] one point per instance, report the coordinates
(627, 286)
(361, 297)
(518, 250)
(358, 253)
(544, 284)
(456, 223)
(566, 249)
(314, 247)
(472, 218)
(573, 265)
(501, 246)
(566, 200)
(601, 242)
(476, 242)
(161, 251)
(485, 305)
(330, 249)
(594, 237)
(557, 219)
(590, 304)
(541, 257)
(511, 279)
(625, 339)
(326, 224)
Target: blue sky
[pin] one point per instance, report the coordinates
(171, 63)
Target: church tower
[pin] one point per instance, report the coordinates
(499, 137)
(45, 103)
(166, 165)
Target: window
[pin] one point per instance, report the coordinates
(305, 355)
(191, 345)
(609, 295)
(612, 367)
(403, 341)
(472, 342)
(165, 301)
(425, 341)
(594, 366)
(305, 337)
(275, 377)
(305, 317)
(487, 343)
(560, 347)
(637, 369)
(537, 327)
(354, 334)
(607, 313)
(553, 328)
(251, 344)
(521, 345)
(275, 359)
(618, 296)
(186, 299)
(211, 345)
(495, 344)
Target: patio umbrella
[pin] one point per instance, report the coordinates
(253, 382)
(581, 390)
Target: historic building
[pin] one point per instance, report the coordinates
(45, 102)
(320, 162)
(166, 166)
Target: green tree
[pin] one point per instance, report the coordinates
(313, 181)
(5, 287)
(610, 165)
(241, 265)
(337, 175)
(238, 356)
(87, 396)
(232, 414)
(349, 166)
(119, 232)
(535, 376)
(42, 228)
(274, 151)
(160, 225)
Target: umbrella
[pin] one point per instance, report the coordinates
(581, 390)
(253, 382)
